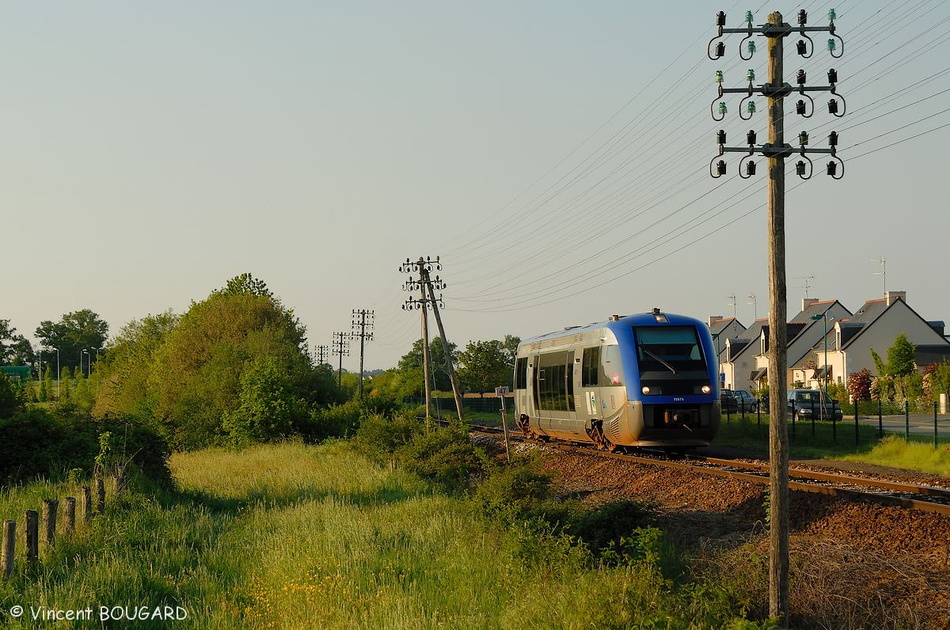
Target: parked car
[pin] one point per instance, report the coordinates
(747, 402)
(728, 402)
(813, 403)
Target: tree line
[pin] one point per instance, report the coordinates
(233, 369)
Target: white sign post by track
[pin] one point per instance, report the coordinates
(501, 392)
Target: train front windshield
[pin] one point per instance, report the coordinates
(671, 348)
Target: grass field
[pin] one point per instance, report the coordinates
(292, 536)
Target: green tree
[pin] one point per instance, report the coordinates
(14, 348)
(246, 284)
(484, 366)
(412, 360)
(12, 397)
(936, 380)
(197, 372)
(123, 373)
(269, 408)
(75, 332)
(397, 384)
(902, 357)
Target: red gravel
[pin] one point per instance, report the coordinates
(854, 564)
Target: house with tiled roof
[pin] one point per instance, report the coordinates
(804, 330)
(722, 328)
(875, 326)
(737, 361)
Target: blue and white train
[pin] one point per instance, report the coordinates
(646, 380)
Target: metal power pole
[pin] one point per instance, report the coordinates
(776, 150)
(341, 347)
(362, 319)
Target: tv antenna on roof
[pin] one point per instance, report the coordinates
(882, 272)
(806, 282)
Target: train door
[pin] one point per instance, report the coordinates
(569, 422)
(541, 378)
(521, 386)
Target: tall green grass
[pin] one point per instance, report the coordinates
(292, 536)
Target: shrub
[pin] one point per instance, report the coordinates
(609, 524)
(859, 385)
(381, 404)
(59, 442)
(380, 437)
(12, 397)
(520, 487)
(445, 457)
(839, 392)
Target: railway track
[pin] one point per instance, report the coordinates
(882, 491)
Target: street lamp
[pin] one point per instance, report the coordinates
(84, 352)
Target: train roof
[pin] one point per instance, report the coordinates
(620, 321)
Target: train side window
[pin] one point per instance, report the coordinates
(521, 373)
(569, 382)
(590, 367)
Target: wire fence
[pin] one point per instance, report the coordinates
(862, 422)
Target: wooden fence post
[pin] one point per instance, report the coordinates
(86, 504)
(32, 537)
(50, 508)
(69, 515)
(100, 496)
(8, 548)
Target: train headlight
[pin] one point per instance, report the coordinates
(645, 390)
(706, 389)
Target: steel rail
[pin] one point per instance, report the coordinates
(720, 467)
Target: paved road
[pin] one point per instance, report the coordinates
(922, 424)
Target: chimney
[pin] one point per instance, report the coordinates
(806, 302)
(893, 295)
(713, 319)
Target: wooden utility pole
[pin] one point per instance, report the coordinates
(445, 342)
(341, 347)
(426, 373)
(421, 303)
(322, 354)
(776, 150)
(778, 343)
(362, 319)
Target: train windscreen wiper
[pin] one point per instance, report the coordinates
(661, 360)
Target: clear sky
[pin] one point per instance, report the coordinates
(555, 155)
